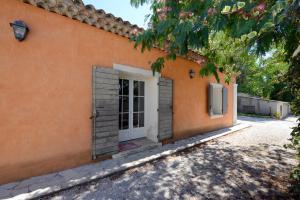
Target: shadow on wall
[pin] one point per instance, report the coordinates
(214, 171)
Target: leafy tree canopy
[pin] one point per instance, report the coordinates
(180, 25)
(265, 76)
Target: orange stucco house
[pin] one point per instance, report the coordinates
(75, 88)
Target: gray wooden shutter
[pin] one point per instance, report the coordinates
(215, 99)
(165, 115)
(224, 100)
(105, 111)
(210, 99)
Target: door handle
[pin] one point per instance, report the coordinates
(95, 115)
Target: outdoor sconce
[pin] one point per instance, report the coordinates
(20, 29)
(192, 73)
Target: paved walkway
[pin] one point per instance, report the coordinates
(42, 185)
(249, 164)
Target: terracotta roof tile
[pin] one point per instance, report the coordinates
(88, 14)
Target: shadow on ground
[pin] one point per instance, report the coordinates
(215, 170)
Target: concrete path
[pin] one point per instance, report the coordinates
(43, 185)
(248, 164)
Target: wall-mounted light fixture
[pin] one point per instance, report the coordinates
(192, 73)
(20, 29)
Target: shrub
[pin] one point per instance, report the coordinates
(277, 115)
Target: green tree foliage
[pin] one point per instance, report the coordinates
(281, 91)
(293, 81)
(256, 75)
(229, 54)
(180, 25)
(265, 77)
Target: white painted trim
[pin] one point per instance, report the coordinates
(151, 107)
(235, 86)
(217, 85)
(216, 116)
(133, 70)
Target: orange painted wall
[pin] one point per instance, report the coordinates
(191, 102)
(45, 90)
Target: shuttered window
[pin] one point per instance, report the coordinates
(165, 125)
(105, 138)
(217, 99)
(224, 100)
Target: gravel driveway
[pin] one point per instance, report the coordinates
(248, 164)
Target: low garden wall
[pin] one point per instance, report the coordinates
(259, 106)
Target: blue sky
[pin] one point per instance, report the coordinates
(123, 9)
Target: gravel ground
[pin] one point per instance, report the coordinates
(250, 164)
(263, 131)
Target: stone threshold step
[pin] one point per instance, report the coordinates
(143, 148)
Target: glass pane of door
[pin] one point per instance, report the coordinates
(138, 103)
(123, 104)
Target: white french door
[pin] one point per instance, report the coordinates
(131, 109)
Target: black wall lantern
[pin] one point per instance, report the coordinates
(20, 29)
(192, 73)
